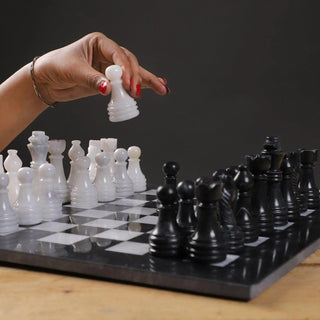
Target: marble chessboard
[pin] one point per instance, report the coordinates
(110, 241)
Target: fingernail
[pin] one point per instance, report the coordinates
(130, 84)
(139, 90)
(103, 86)
(168, 90)
(164, 80)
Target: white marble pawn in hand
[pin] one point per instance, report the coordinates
(50, 204)
(74, 153)
(12, 164)
(103, 181)
(93, 149)
(134, 170)
(26, 206)
(123, 183)
(84, 193)
(8, 218)
(109, 145)
(121, 106)
(56, 148)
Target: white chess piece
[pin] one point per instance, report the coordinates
(109, 145)
(121, 106)
(103, 181)
(56, 148)
(93, 149)
(26, 206)
(8, 218)
(134, 170)
(1, 164)
(50, 204)
(12, 164)
(74, 153)
(38, 148)
(84, 193)
(124, 185)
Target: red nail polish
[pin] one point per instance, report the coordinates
(164, 80)
(103, 87)
(168, 90)
(139, 90)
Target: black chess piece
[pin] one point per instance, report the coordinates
(232, 171)
(245, 220)
(307, 181)
(171, 169)
(166, 239)
(207, 243)
(295, 178)
(271, 144)
(186, 218)
(233, 233)
(258, 165)
(287, 191)
(276, 201)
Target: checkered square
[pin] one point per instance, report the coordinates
(129, 202)
(120, 235)
(97, 214)
(130, 247)
(148, 220)
(105, 223)
(63, 238)
(140, 210)
(53, 226)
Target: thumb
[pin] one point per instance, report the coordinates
(92, 79)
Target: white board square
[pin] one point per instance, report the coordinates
(105, 223)
(97, 214)
(130, 247)
(258, 242)
(53, 226)
(129, 202)
(148, 220)
(140, 210)
(120, 235)
(151, 192)
(63, 238)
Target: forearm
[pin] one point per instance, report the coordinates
(19, 105)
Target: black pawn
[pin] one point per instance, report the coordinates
(171, 169)
(295, 178)
(233, 233)
(287, 191)
(244, 217)
(307, 181)
(277, 204)
(258, 165)
(166, 239)
(207, 243)
(186, 218)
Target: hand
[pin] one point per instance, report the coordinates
(77, 70)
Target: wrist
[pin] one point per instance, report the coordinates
(40, 88)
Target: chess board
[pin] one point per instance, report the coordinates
(110, 242)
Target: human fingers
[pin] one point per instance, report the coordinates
(153, 82)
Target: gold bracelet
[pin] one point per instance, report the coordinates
(35, 85)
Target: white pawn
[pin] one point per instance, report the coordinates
(109, 145)
(134, 170)
(121, 106)
(93, 149)
(124, 185)
(84, 193)
(1, 164)
(56, 148)
(103, 181)
(8, 218)
(12, 164)
(50, 204)
(26, 206)
(74, 153)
